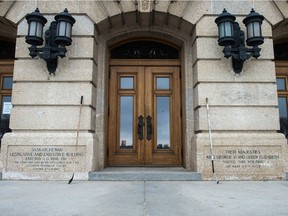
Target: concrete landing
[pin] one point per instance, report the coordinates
(143, 198)
(144, 174)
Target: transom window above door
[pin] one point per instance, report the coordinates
(144, 49)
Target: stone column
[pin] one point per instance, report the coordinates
(243, 109)
(44, 117)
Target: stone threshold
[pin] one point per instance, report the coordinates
(144, 174)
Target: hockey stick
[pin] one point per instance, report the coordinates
(77, 137)
(210, 139)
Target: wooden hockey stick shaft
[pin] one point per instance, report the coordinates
(77, 136)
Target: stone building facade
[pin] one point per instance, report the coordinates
(43, 142)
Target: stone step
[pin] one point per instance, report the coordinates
(144, 174)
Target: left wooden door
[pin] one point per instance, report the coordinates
(125, 105)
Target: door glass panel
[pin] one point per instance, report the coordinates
(163, 83)
(281, 84)
(163, 122)
(5, 115)
(126, 122)
(7, 83)
(282, 104)
(126, 83)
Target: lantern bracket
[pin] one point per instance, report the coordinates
(57, 37)
(238, 51)
(50, 51)
(233, 38)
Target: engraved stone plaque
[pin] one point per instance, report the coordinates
(245, 160)
(46, 158)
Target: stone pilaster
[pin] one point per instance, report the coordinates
(45, 114)
(243, 110)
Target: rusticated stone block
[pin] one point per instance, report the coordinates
(51, 118)
(238, 118)
(67, 70)
(236, 94)
(222, 71)
(53, 93)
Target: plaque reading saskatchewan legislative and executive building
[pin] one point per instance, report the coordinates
(46, 158)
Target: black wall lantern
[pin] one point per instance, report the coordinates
(232, 37)
(56, 37)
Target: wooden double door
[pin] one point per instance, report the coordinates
(144, 126)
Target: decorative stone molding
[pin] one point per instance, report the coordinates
(145, 5)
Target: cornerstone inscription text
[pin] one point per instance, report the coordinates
(46, 158)
(260, 159)
(244, 158)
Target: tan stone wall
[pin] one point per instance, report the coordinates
(243, 107)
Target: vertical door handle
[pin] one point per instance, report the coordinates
(140, 127)
(149, 127)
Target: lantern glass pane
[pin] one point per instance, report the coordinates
(32, 28)
(257, 29)
(228, 29)
(221, 30)
(68, 30)
(61, 30)
(39, 30)
(250, 32)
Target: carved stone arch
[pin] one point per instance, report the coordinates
(154, 21)
(280, 40)
(280, 32)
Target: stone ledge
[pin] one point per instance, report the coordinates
(144, 174)
(36, 176)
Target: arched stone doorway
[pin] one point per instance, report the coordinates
(7, 57)
(181, 39)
